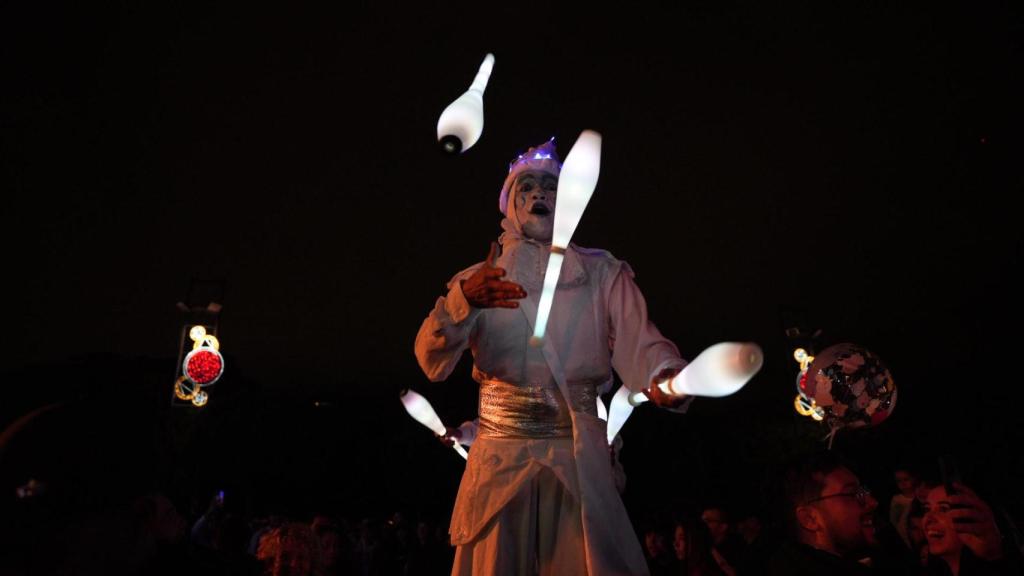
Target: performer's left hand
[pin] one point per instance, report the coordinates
(661, 398)
(451, 436)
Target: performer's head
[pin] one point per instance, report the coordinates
(528, 194)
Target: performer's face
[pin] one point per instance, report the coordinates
(535, 203)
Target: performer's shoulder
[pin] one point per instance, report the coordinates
(594, 254)
(602, 261)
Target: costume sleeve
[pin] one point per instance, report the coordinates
(639, 351)
(446, 332)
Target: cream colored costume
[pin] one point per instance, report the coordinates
(538, 495)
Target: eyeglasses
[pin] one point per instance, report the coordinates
(861, 494)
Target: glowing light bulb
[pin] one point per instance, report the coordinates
(804, 359)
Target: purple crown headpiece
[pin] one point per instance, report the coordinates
(541, 157)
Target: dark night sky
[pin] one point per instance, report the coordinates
(850, 171)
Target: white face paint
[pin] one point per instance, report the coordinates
(534, 193)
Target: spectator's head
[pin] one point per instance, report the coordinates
(369, 532)
(690, 543)
(749, 527)
(828, 508)
(679, 543)
(424, 532)
(322, 522)
(331, 542)
(906, 481)
(655, 542)
(939, 529)
(717, 521)
(441, 533)
(289, 550)
(157, 517)
(232, 535)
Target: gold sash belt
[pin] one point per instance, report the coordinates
(511, 411)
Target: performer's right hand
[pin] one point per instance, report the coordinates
(486, 289)
(664, 399)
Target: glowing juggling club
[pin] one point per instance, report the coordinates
(719, 371)
(618, 412)
(462, 121)
(576, 185)
(421, 411)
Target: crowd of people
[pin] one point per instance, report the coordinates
(91, 506)
(823, 520)
(325, 545)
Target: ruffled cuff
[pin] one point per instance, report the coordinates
(456, 305)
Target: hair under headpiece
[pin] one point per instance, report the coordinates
(542, 157)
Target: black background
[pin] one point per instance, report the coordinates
(855, 171)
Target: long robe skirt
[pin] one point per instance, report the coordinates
(539, 532)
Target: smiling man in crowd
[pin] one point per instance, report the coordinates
(831, 517)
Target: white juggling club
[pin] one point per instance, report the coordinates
(462, 122)
(421, 410)
(576, 184)
(618, 412)
(718, 371)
